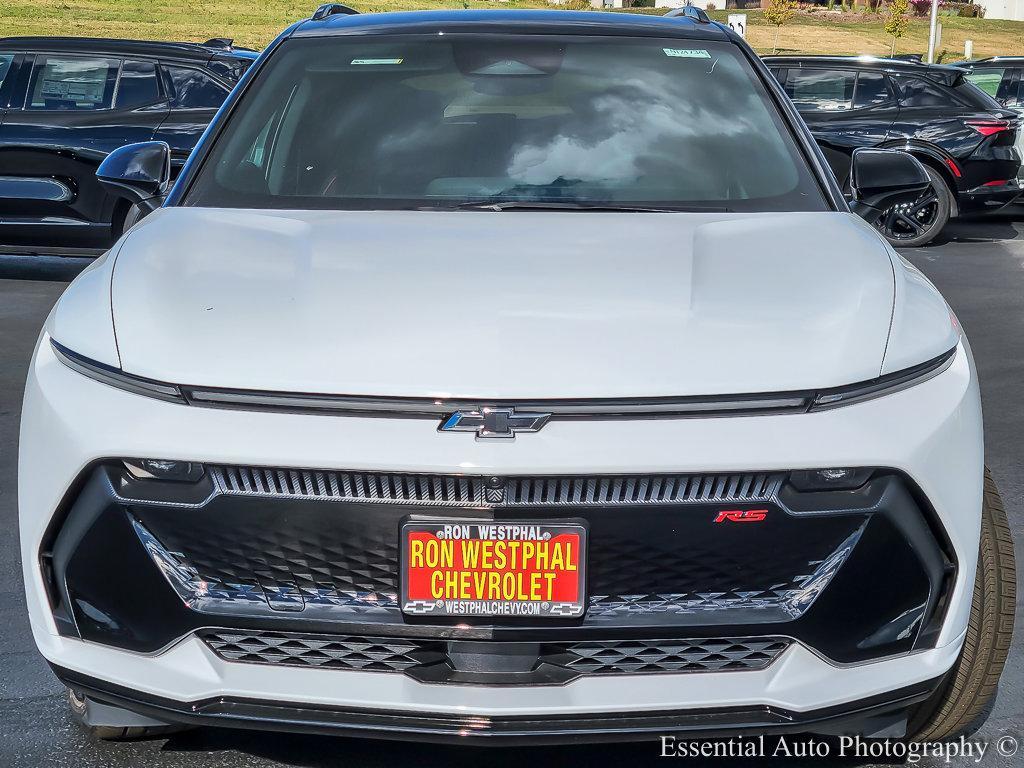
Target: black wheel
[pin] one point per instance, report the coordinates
(79, 705)
(966, 697)
(909, 225)
(132, 215)
(125, 215)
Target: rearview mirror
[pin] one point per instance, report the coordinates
(141, 172)
(882, 178)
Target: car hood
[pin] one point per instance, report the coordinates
(502, 305)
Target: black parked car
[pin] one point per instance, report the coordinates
(66, 103)
(1002, 78)
(964, 137)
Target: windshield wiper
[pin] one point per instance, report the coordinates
(563, 205)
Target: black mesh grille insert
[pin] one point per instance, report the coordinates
(700, 655)
(370, 654)
(589, 657)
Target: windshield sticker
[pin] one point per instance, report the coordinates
(687, 53)
(377, 61)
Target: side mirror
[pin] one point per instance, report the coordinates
(141, 172)
(882, 178)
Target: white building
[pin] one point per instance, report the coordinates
(1003, 9)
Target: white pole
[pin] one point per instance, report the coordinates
(968, 49)
(931, 32)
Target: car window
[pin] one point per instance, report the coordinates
(5, 66)
(194, 89)
(918, 92)
(1009, 89)
(987, 79)
(821, 90)
(230, 67)
(428, 122)
(72, 82)
(137, 85)
(872, 90)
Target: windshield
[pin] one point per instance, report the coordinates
(462, 121)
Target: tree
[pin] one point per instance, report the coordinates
(896, 21)
(779, 12)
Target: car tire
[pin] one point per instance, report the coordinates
(967, 695)
(79, 706)
(126, 214)
(898, 228)
(131, 217)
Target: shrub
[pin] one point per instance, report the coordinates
(777, 13)
(921, 7)
(896, 22)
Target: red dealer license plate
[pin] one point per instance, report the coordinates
(478, 568)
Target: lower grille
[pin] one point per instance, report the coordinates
(369, 654)
(700, 655)
(590, 657)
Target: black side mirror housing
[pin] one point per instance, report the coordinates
(882, 178)
(140, 172)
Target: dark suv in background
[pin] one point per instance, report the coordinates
(66, 103)
(963, 136)
(1002, 78)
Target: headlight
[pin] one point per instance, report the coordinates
(883, 385)
(115, 377)
(618, 408)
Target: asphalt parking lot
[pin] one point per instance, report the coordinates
(978, 265)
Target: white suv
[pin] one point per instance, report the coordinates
(519, 376)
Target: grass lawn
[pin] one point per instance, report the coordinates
(254, 24)
(822, 32)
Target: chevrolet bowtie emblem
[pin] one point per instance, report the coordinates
(494, 422)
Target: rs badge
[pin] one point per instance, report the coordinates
(741, 516)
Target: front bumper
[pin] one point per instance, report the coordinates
(877, 716)
(930, 434)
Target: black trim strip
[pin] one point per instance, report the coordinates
(259, 714)
(115, 377)
(883, 385)
(597, 408)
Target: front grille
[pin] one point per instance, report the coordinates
(590, 657)
(701, 655)
(369, 654)
(354, 569)
(512, 492)
(805, 566)
(279, 540)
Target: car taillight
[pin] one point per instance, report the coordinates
(989, 127)
(996, 183)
